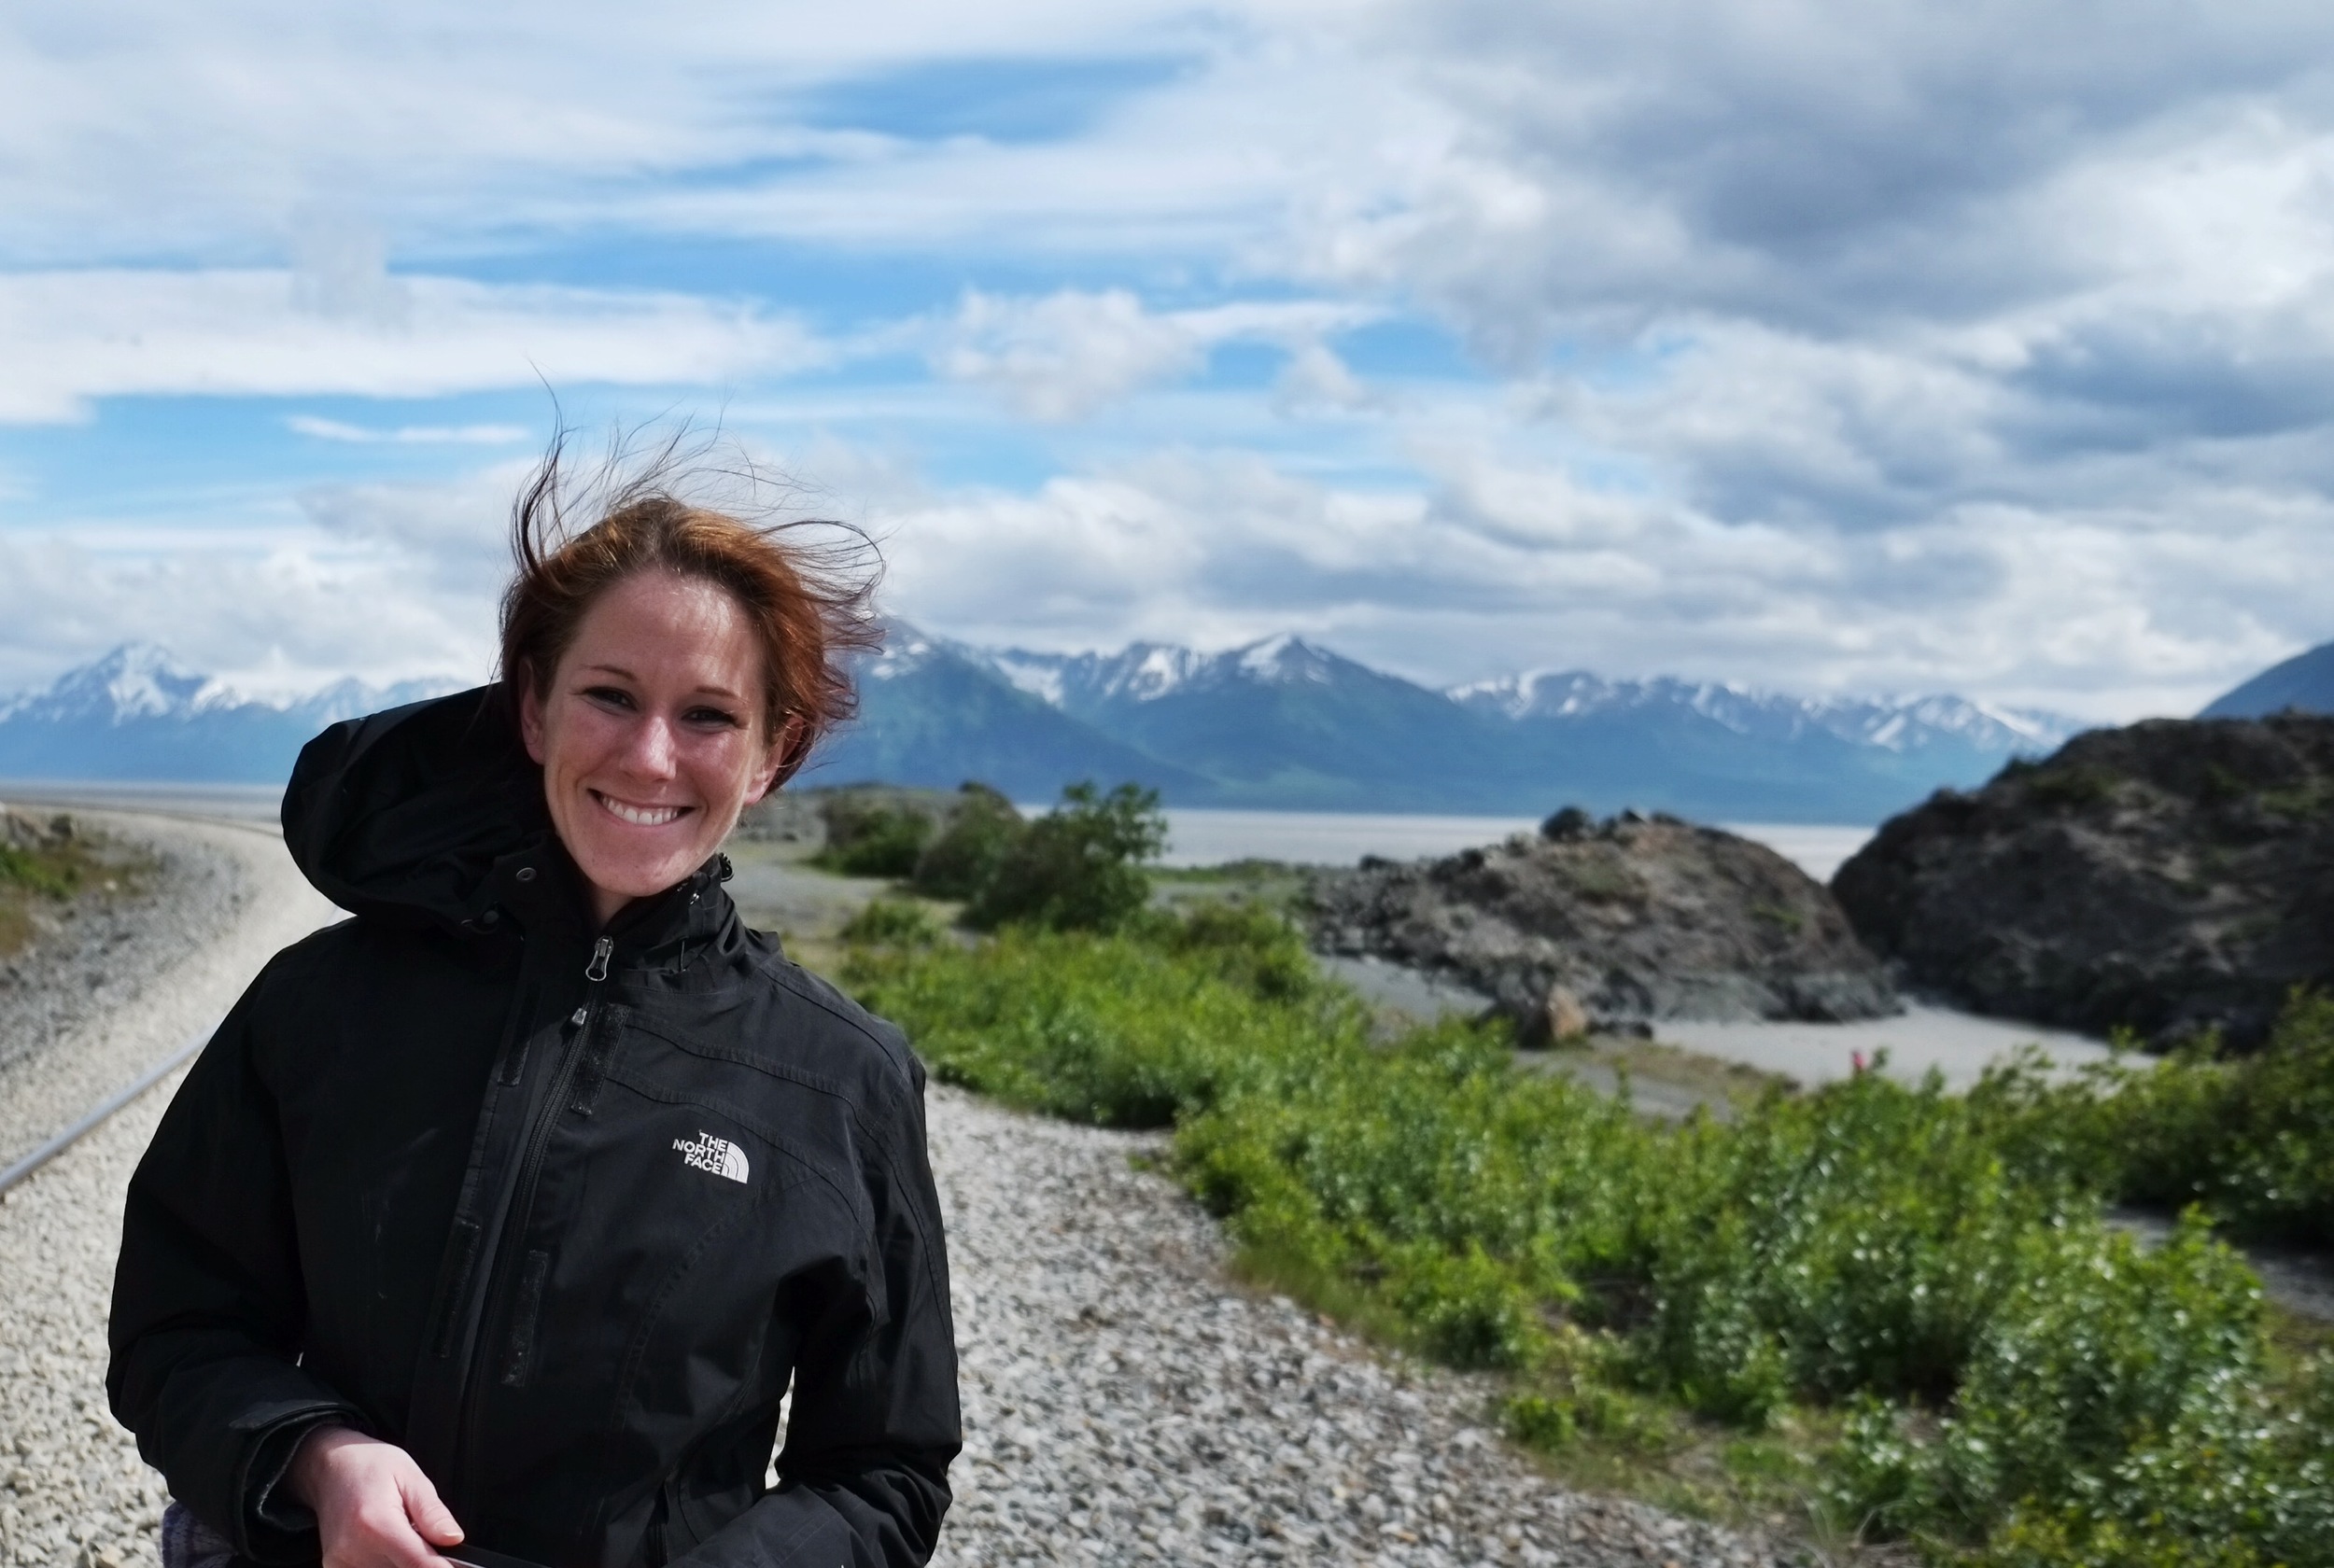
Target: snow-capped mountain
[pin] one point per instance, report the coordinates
(1284, 721)
(139, 713)
(1899, 724)
(1149, 671)
(936, 712)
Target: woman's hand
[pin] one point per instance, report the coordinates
(374, 1508)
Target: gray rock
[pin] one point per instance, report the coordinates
(2175, 877)
(1635, 919)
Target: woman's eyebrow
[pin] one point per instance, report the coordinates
(700, 691)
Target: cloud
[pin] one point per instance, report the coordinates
(70, 337)
(429, 435)
(1063, 355)
(1822, 344)
(297, 613)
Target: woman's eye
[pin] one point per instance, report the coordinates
(712, 717)
(613, 696)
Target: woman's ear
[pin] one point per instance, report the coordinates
(779, 761)
(530, 715)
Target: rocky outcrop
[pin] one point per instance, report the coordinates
(1608, 925)
(2175, 876)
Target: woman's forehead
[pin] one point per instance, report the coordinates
(661, 623)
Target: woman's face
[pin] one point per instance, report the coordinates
(651, 737)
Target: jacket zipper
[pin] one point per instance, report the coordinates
(483, 1347)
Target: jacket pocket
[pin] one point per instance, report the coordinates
(524, 1314)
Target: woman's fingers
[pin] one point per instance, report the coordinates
(432, 1519)
(374, 1508)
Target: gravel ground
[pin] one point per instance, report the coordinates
(1124, 1401)
(72, 1489)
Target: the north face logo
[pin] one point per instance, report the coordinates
(716, 1154)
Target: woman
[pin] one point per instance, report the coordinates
(507, 1211)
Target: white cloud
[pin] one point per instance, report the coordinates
(426, 435)
(297, 613)
(70, 337)
(1063, 355)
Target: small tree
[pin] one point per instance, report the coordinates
(980, 829)
(1079, 866)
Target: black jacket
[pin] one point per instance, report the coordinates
(561, 1214)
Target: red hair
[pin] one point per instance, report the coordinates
(809, 599)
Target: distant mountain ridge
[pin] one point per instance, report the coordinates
(138, 713)
(1282, 722)
(2304, 681)
(1278, 723)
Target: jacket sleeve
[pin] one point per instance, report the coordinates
(863, 1479)
(209, 1306)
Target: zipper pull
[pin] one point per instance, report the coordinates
(597, 970)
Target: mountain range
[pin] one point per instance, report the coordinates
(1280, 724)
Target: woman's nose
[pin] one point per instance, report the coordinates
(652, 751)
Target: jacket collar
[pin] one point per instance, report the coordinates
(539, 888)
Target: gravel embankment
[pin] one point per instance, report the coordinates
(73, 1491)
(1124, 1401)
(94, 957)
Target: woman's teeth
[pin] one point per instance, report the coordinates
(641, 816)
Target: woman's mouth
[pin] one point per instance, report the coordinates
(640, 814)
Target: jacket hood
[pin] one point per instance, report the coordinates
(402, 814)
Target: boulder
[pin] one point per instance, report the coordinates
(2173, 877)
(1610, 925)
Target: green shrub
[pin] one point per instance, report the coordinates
(893, 923)
(2251, 1138)
(982, 827)
(2018, 1382)
(1110, 1029)
(1079, 866)
(872, 839)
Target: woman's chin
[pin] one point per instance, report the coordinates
(634, 874)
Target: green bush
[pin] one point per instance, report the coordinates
(893, 923)
(873, 838)
(1079, 866)
(1121, 1030)
(2020, 1384)
(981, 828)
(2251, 1138)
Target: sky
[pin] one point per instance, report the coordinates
(1823, 347)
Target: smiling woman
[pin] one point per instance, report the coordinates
(506, 1215)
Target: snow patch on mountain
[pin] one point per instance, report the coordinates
(144, 681)
(1891, 724)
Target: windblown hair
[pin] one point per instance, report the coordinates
(807, 586)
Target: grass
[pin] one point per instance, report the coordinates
(1875, 1312)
